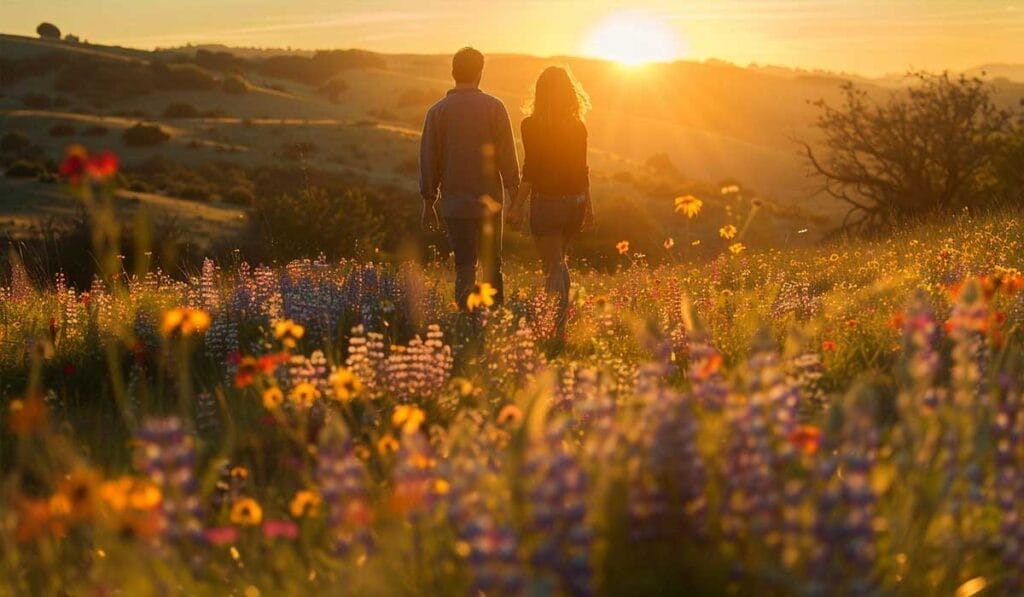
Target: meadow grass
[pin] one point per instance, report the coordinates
(833, 420)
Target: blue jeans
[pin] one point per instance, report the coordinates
(476, 240)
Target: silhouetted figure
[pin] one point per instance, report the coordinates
(556, 178)
(468, 154)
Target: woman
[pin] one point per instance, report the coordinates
(555, 176)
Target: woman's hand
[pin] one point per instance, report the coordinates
(429, 219)
(516, 213)
(588, 215)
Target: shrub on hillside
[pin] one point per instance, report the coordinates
(235, 85)
(101, 79)
(219, 60)
(321, 66)
(14, 142)
(181, 110)
(181, 77)
(36, 101)
(333, 89)
(48, 31)
(335, 223)
(62, 130)
(24, 169)
(240, 196)
(931, 148)
(193, 192)
(144, 135)
(95, 131)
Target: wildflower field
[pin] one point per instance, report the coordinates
(832, 421)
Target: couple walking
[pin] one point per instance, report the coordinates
(468, 163)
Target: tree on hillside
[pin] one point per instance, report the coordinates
(48, 31)
(931, 148)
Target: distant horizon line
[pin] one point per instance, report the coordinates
(684, 60)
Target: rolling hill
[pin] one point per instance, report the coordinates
(655, 133)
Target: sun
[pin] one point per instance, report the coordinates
(633, 38)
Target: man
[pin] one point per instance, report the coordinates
(468, 154)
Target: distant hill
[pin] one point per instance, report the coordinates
(655, 133)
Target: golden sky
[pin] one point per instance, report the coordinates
(864, 36)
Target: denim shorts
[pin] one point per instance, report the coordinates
(556, 215)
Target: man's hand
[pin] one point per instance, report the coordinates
(515, 215)
(430, 221)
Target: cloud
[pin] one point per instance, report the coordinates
(304, 23)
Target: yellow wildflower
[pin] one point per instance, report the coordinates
(272, 397)
(305, 503)
(184, 321)
(689, 206)
(737, 248)
(482, 296)
(345, 384)
(622, 247)
(246, 512)
(288, 332)
(727, 232)
(304, 394)
(408, 417)
(387, 444)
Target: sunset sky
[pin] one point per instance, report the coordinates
(865, 36)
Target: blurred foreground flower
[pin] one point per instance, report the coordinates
(79, 165)
(246, 512)
(806, 438)
(409, 418)
(184, 321)
(305, 503)
(482, 296)
(27, 416)
(345, 385)
(288, 332)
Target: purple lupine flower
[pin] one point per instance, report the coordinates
(1008, 429)
(344, 486)
(167, 455)
(493, 549)
(844, 553)
(666, 472)
(558, 511)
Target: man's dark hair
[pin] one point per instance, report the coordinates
(467, 65)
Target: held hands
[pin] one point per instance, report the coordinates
(429, 220)
(515, 215)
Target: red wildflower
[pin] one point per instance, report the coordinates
(78, 164)
(807, 438)
(249, 368)
(75, 162)
(828, 346)
(221, 536)
(102, 165)
(69, 369)
(280, 529)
